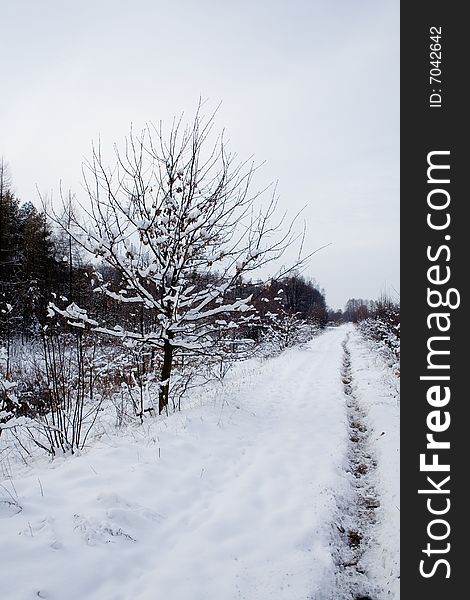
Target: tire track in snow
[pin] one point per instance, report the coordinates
(353, 533)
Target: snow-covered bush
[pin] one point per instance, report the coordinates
(53, 391)
(9, 403)
(282, 330)
(384, 331)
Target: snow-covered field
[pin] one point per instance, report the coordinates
(233, 499)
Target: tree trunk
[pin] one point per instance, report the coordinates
(165, 377)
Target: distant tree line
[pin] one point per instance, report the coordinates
(39, 262)
(357, 309)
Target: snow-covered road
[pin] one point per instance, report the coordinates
(235, 499)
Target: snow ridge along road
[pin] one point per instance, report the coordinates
(234, 499)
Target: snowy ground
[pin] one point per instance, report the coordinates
(235, 499)
(377, 389)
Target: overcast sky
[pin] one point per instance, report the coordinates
(309, 86)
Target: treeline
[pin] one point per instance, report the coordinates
(39, 263)
(384, 307)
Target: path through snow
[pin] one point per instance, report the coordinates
(232, 500)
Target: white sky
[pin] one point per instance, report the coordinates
(309, 86)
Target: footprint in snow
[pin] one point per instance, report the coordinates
(120, 521)
(96, 532)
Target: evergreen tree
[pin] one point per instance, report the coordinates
(9, 235)
(38, 266)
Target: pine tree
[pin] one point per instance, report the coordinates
(9, 234)
(37, 266)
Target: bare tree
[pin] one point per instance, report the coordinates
(5, 179)
(171, 209)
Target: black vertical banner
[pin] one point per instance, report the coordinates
(435, 255)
